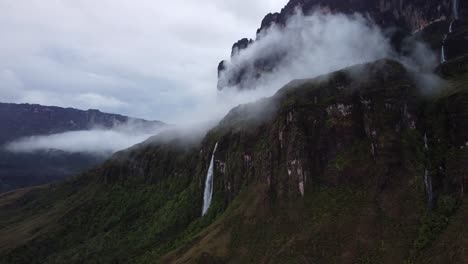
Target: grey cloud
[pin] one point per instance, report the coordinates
(97, 141)
(310, 46)
(157, 59)
(132, 57)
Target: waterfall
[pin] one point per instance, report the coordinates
(455, 17)
(427, 177)
(426, 146)
(428, 186)
(442, 52)
(451, 26)
(455, 8)
(208, 194)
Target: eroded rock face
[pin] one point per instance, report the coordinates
(328, 131)
(456, 42)
(410, 16)
(302, 136)
(310, 137)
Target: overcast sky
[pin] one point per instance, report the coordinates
(145, 58)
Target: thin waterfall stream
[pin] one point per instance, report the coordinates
(208, 194)
(427, 176)
(455, 17)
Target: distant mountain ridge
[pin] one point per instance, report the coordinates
(18, 170)
(24, 120)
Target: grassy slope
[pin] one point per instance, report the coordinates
(86, 219)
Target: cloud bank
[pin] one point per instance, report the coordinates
(97, 141)
(311, 45)
(166, 69)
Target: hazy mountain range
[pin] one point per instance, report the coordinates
(31, 149)
(359, 158)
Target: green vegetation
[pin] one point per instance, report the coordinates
(435, 221)
(363, 197)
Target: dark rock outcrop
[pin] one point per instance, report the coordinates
(240, 45)
(412, 15)
(408, 16)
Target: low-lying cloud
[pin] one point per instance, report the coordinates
(102, 142)
(421, 63)
(312, 45)
(308, 46)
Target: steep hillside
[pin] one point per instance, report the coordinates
(359, 166)
(18, 170)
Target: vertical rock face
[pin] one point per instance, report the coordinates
(309, 139)
(321, 131)
(455, 42)
(310, 132)
(412, 15)
(409, 16)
